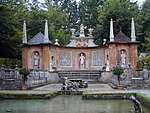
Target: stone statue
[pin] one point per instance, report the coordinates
(137, 106)
(107, 66)
(36, 59)
(123, 59)
(69, 85)
(51, 66)
(82, 61)
(81, 29)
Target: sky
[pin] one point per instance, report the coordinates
(139, 1)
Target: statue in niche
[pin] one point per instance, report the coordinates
(36, 60)
(51, 63)
(123, 59)
(82, 61)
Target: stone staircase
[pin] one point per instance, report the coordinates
(85, 75)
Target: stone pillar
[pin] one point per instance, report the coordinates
(24, 40)
(25, 58)
(133, 57)
(111, 37)
(133, 37)
(46, 39)
(46, 57)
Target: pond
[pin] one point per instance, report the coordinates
(67, 104)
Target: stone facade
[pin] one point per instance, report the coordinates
(67, 58)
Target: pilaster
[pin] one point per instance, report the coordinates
(133, 56)
(25, 58)
(112, 55)
(46, 57)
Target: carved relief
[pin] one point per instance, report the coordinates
(97, 58)
(81, 43)
(65, 58)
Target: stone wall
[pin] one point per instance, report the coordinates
(12, 80)
(40, 77)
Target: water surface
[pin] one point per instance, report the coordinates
(67, 104)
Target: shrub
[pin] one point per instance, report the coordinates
(141, 62)
(25, 72)
(9, 63)
(118, 70)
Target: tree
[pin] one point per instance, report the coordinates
(118, 70)
(88, 12)
(12, 15)
(57, 20)
(148, 45)
(24, 72)
(10, 35)
(144, 18)
(71, 8)
(121, 11)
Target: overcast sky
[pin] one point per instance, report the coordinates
(139, 1)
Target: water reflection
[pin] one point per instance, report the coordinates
(67, 104)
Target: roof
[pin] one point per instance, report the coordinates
(121, 38)
(38, 39)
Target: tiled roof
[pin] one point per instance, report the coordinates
(121, 38)
(38, 39)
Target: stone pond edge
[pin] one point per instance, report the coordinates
(143, 99)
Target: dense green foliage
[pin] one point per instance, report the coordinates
(121, 11)
(144, 19)
(144, 61)
(12, 15)
(10, 32)
(65, 14)
(118, 70)
(24, 71)
(8, 63)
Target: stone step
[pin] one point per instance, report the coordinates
(86, 75)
